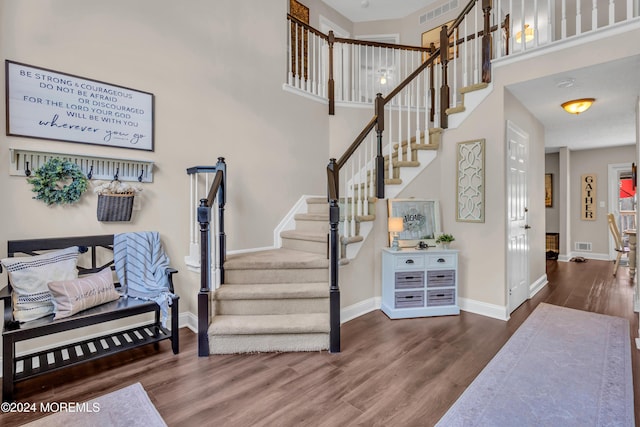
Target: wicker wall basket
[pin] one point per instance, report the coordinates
(115, 207)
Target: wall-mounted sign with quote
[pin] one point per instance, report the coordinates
(588, 182)
(52, 105)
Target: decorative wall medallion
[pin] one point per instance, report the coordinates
(470, 181)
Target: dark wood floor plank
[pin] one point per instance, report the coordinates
(390, 372)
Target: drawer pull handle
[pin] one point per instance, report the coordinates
(442, 260)
(409, 261)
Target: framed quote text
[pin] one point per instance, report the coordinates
(48, 104)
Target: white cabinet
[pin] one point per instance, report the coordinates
(417, 283)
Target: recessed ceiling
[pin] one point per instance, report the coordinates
(376, 10)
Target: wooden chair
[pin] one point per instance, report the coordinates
(620, 248)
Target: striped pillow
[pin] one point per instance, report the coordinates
(29, 276)
(73, 296)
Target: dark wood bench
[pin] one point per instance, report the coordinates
(26, 366)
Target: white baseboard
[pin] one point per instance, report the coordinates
(536, 286)
(360, 308)
(590, 255)
(485, 309)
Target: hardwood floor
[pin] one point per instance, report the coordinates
(391, 373)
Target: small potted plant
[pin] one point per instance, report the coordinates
(445, 239)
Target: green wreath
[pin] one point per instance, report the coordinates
(49, 182)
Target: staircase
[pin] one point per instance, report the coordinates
(278, 300)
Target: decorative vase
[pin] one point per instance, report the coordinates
(445, 245)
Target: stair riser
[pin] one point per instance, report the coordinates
(277, 276)
(313, 226)
(278, 306)
(232, 344)
(317, 208)
(305, 246)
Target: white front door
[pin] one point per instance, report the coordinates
(517, 203)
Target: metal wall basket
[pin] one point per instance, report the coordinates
(115, 207)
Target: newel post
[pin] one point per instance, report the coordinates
(334, 256)
(444, 89)
(331, 86)
(379, 105)
(204, 218)
(486, 42)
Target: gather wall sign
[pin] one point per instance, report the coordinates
(588, 200)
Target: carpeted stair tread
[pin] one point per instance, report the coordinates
(270, 324)
(304, 235)
(273, 291)
(275, 259)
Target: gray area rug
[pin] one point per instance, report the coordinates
(562, 367)
(127, 407)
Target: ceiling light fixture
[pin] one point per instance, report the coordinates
(578, 106)
(528, 34)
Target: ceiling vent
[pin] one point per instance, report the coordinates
(440, 10)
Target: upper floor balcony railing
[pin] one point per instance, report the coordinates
(339, 70)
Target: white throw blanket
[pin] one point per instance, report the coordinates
(141, 265)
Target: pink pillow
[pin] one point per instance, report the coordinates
(73, 296)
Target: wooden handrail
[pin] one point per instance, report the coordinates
(377, 121)
(307, 26)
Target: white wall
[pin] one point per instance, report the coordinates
(216, 69)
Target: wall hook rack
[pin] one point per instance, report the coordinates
(23, 162)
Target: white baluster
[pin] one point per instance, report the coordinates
(612, 12)
(536, 33)
(297, 57)
(359, 187)
(497, 14)
(578, 18)
(390, 146)
(418, 98)
(563, 33)
(345, 198)
(629, 9)
(476, 48)
(365, 190)
(289, 56)
(594, 15)
(312, 64)
(523, 38)
(352, 229)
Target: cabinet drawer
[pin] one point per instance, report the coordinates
(404, 262)
(408, 299)
(443, 260)
(441, 297)
(409, 279)
(437, 278)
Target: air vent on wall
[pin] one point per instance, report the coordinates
(440, 10)
(583, 246)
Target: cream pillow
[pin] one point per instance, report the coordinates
(73, 296)
(29, 276)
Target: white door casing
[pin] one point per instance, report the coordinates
(517, 213)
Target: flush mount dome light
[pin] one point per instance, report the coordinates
(578, 106)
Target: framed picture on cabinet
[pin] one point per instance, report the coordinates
(420, 221)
